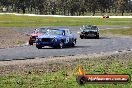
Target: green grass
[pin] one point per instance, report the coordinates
(126, 32)
(65, 77)
(26, 21)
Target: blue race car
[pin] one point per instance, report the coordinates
(56, 38)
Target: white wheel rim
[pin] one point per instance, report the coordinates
(74, 42)
(61, 45)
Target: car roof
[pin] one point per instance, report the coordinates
(89, 26)
(41, 28)
(63, 29)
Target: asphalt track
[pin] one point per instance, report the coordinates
(83, 46)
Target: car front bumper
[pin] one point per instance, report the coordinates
(51, 44)
(88, 35)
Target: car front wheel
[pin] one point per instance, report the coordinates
(39, 47)
(81, 37)
(61, 44)
(97, 37)
(30, 42)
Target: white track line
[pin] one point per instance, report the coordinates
(126, 27)
(65, 16)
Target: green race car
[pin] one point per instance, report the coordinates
(89, 31)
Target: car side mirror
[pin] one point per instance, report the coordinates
(63, 33)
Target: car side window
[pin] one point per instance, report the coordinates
(70, 32)
(66, 32)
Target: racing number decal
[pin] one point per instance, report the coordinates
(67, 40)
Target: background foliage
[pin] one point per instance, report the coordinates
(67, 7)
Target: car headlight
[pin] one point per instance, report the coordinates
(39, 39)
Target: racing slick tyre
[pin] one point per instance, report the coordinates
(39, 47)
(81, 37)
(30, 42)
(81, 80)
(74, 43)
(97, 37)
(61, 45)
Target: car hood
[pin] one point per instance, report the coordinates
(36, 34)
(50, 36)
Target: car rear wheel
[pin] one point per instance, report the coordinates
(74, 43)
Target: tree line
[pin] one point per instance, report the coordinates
(66, 7)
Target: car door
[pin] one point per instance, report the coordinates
(69, 37)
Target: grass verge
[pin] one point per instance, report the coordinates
(125, 32)
(63, 75)
(26, 21)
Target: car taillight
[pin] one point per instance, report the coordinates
(33, 37)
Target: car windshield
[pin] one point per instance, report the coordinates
(54, 32)
(89, 28)
(93, 28)
(40, 30)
